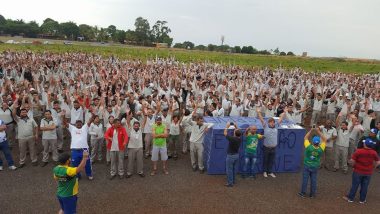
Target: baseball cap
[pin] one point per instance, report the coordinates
(374, 131)
(369, 143)
(316, 140)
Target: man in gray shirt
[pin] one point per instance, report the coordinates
(270, 141)
(198, 130)
(49, 137)
(27, 135)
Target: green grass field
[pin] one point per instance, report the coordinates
(130, 52)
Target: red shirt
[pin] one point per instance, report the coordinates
(364, 161)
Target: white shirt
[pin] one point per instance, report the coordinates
(3, 135)
(376, 105)
(343, 138)
(96, 131)
(174, 128)
(6, 116)
(329, 133)
(317, 105)
(148, 124)
(236, 110)
(135, 139)
(115, 142)
(78, 137)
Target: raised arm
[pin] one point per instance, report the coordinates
(258, 110)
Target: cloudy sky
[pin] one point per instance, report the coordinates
(340, 28)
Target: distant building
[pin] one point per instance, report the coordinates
(304, 54)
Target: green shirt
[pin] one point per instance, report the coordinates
(252, 142)
(67, 180)
(159, 129)
(313, 154)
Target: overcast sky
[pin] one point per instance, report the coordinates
(340, 28)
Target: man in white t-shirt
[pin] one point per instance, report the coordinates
(79, 134)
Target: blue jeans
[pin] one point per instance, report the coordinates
(249, 163)
(363, 181)
(5, 148)
(76, 158)
(312, 173)
(231, 168)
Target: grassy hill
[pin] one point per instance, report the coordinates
(358, 66)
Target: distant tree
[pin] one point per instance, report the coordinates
(237, 49)
(282, 53)
(290, 54)
(50, 26)
(222, 39)
(200, 47)
(142, 30)
(32, 29)
(188, 45)
(223, 48)
(264, 52)
(87, 32)
(111, 31)
(102, 35)
(3, 21)
(160, 33)
(120, 36)
(211, 47)
(130, 36)
(69, 29)
(244, 49)
(178, 45)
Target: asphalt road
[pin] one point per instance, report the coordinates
(32, 190)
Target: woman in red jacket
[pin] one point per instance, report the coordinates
(117, 139)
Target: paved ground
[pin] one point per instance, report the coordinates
(32, 190)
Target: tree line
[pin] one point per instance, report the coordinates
(143, 35)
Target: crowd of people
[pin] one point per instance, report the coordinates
(150, 109)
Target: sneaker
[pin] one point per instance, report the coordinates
(301, 194)
(228, 185)
(43, 164)
(11, 168)
(141, 175)
(90, 178)
(311, 196)
(1, 168)
(128, 176)
(362, 202)
(345, 171)
(347, 199)
(272, 175)
(112, 177)
(195, 169)
(265, 175)
(21, 165)
(201, 171)
(121, 176)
